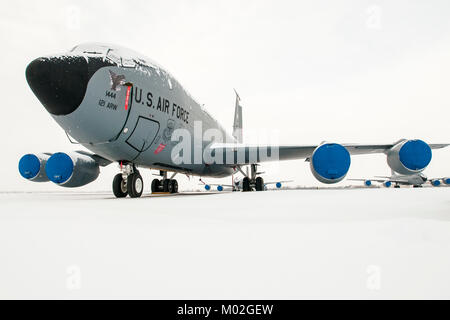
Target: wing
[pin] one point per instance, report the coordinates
(282, 181)
(240, 154)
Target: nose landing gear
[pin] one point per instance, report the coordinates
(120, 186)
(129, 182)
(135, 185)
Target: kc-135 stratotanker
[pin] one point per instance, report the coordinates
(127, 109)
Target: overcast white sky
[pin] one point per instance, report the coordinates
(343, 71)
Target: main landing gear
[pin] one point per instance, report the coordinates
(129, 182)
(165, 184)
(252, 182)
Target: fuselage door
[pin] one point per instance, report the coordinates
(143, 134)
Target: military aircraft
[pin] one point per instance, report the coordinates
(416, 180)
(127, 109)
(238, 185)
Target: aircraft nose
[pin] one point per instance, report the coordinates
(59, 83)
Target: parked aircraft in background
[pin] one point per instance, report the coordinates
(415, 180)
(238, 185)
(126, 109)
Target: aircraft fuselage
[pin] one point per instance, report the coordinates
(129, 110)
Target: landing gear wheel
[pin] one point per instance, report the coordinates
(246, 184)
(119, 186)
(156, 184)
(167, 186)
(397, 186)
(174, 184)
(135, 185)
(259, 184)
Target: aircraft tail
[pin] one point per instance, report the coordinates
(237, 125)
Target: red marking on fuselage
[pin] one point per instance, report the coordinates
(160, 148)
(127, 97)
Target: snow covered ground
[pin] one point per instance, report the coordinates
(363, 243)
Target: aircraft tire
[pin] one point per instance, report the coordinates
(118, 186)
(259, 184)
(135, 185)
(174, 186)
(156, 184)
(246, 184)
(167, 186)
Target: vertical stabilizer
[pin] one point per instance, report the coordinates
(237, 125)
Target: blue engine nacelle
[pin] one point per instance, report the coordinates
(409, 156)
(71, 170)
(32, 167)
(330, 163)
(387, 184)
(435, 183)
(446, 180)
(367, 183)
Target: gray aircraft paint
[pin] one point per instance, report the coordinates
(136, 133)
(141, 133)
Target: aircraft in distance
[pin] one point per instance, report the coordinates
(238, 185)
(415, 180)
(127, 109)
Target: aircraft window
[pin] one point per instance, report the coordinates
(141, 61)
(113, 57)
(92, 52)
(128, 63)
(90, 48)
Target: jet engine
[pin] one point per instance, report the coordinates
(72, 170)
(387, 184)
(435, 183)
(32, 167)
(446, 180)
(330, 163)
(409, 156)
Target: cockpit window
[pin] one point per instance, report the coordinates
(115, 58)
(122, 57)
(91, 49)
(93, 52)
(128, 63)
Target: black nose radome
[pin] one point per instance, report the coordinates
(59, 82)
